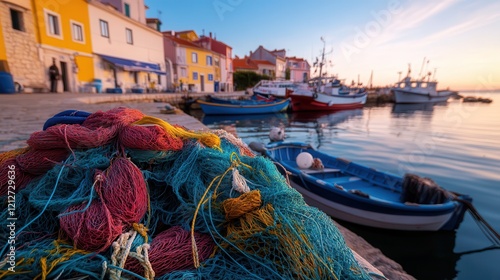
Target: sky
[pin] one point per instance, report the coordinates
(458, 41)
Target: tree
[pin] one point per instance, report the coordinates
(247, 79)
(287, 73)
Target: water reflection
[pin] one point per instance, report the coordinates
(325, 117)
(413, 108)
(317, 123)
(273, 119)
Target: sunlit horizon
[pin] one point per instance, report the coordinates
(458, 38)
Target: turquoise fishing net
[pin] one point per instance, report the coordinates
(286, 239)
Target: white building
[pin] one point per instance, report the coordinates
(128, 54)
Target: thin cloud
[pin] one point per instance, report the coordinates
(480, 18)
(410, 18)
(463, 27)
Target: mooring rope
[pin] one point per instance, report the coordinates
(485, 227)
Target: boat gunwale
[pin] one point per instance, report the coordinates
(385, 205)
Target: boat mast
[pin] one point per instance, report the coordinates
(422, 69)
(322, 61)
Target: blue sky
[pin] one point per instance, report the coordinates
(459, 38)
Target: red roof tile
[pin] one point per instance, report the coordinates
(180, 40)
(263, 62)
(244, 63)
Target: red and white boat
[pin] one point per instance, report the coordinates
(331, 96)
(327, 93)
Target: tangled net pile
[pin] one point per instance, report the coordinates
(121, 195)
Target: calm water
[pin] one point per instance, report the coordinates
(457, 144)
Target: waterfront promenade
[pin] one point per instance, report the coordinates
(23, 114)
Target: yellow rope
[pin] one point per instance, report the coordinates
(47, 266)
(7, 271)
(235, 161)
(208, 139)
(12, 154)
(142, 230)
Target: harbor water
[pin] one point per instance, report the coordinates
(456, 144)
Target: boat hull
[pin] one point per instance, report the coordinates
(211, 108)
(343, 211)
(325, 102)
(408, 96)
(362, 195)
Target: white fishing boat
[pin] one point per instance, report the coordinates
(273, 88)
(328, 93)
(423, 90)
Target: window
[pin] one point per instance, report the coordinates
(183, 72)
(53, 22)
(195, 75)
(194, 57)
(104, 28)
(210, 77)
(159, 79)
(127, 9)
(77, 31)
(209, 60)
(17, 20)
(130, 38)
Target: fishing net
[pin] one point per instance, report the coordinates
(121, 195)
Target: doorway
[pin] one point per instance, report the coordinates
(64, 76)
(202, 81)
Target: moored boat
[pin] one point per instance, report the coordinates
(327, 93)
(331, 96)
(241, 107)
(273, 88)
(477, 99)
(421, 90)
(362, 195)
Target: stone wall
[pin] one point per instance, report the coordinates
(21, 47)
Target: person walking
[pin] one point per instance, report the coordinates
(53, 75)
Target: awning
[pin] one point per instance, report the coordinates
(133, 65)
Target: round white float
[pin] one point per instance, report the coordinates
(304, 160)
(277, 134)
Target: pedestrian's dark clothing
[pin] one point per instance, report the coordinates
(54, 76)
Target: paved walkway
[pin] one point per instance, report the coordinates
(23, 114)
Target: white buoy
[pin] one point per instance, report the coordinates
(277, 134)
(304, 160)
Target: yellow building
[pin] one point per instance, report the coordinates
(194, 66)
(3, 51)
(18, 45)
(63, 34)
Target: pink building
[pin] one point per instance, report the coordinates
(276, 57)
(299, 69)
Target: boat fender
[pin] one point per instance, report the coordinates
(304, 160)
(315, 95)
(360, 193)
(331, 103)
(257, 147)
(277, 134)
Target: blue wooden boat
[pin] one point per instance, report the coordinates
(239, 107)
(214, 99)
(362, 195)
